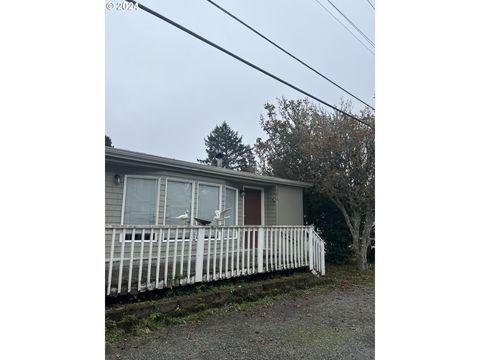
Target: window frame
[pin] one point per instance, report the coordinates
(166, 196)
(236, 202)
(124, 197)
(220, 187)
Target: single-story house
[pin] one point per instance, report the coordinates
(152, 239)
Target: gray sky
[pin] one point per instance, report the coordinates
(165, 90)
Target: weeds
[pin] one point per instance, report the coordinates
(338, 276)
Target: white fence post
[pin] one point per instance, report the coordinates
(261, 242)
(322, 257)
(199, 256)
(310, 247)
(110, 265)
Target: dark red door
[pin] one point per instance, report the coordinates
(252, 209)
(252, 212)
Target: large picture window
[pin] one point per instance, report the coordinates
(231, 203)
(141, 200)
(178, 202)
(208, 201)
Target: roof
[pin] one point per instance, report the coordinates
(127, 157)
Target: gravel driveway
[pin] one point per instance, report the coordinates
(339, 324)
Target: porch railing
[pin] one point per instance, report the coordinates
(142, 258)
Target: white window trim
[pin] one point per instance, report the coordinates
(220, 197)
(236, 202)
(166, 193)
(125, 179)
(262, 204)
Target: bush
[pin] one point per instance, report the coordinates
(329, 222)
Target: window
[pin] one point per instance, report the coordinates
(208, 201)
(178, 202)
(141, 199)
(138, 236)
(231, 203)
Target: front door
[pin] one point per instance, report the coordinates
(252, 213)
(252, 209)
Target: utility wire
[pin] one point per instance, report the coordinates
(351, 23)
(199, 37)
(288, 53)
(373, 7)
(346, 28)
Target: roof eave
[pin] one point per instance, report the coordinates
(128, 157)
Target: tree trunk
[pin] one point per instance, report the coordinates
(357, 245)
(364, 242)
(362, 263)
(360, 241)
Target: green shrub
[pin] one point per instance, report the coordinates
(320, 211)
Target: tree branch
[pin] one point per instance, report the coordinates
(344, 212)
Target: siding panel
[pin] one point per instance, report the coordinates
(290, 205)
(270, 206)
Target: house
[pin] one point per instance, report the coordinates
(150, 198)
(143, 189)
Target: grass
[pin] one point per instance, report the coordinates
(340, 276)
(172, 292)
(348, 275)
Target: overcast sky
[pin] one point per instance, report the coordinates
(165, 90)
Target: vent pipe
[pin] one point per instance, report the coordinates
(219, 158)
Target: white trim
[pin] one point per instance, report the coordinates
(122, 215)
(125, 178)
(220, 187)
(123, 199)
(262, 204)
(166, 193)
(236, 202)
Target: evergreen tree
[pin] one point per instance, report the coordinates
(108, 141)
(237, 156)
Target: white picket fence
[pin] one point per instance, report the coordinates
(142, 258)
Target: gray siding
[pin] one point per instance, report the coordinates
(270, 206)
(113, 199)
(290, 205)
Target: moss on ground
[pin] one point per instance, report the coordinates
(314, 334)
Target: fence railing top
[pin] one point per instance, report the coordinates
(118, 226)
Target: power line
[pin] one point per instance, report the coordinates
(351, 23)
(373, 7)
(346, 28)
(173, 23)
(288, 53)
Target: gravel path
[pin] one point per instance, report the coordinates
(339, 324)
